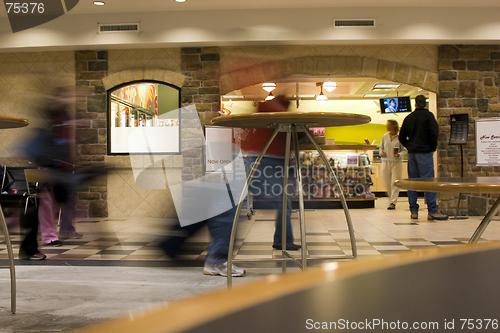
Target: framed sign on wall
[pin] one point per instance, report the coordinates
(488, 142)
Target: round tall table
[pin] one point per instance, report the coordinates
(291, 123)
(477, 185)
(7, 122)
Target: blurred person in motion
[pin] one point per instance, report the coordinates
(46, 219)
(392, 151)
(270, 171)
(419, 134)
(52, 148)
(220, 227)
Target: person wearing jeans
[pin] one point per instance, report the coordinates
(419, 134)
(267, 178)
(270, 172)
(422, 166)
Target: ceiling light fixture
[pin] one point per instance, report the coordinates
(270, 96)
(386, 86)
(330, 86)
(375, 95)
(269, 86)
(99, 3)
(321, 99)
(232, 96)
(180, 0)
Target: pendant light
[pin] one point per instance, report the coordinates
(269, 86)
(329, 86)
(321, 98)
(270, 96)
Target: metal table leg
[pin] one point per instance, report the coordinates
(11, 266)
(485, 222)
(285, 198)
(240, 204)
(301, 198)
(337, 184)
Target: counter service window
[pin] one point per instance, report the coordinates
(144, 118)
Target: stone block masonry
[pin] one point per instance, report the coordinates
(469, 82)
(201, 66)
(91, 130)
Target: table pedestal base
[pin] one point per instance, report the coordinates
(292, 134)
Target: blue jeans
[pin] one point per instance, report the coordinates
(267, 184)
(220, 227)
(422, 166)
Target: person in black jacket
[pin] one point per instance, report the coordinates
(419, 134)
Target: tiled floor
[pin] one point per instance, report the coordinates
(378, 232)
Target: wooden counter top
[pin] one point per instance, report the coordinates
(452, 184)
(272, 119)
(12, 122)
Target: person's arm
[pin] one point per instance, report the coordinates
(402, 150)
(403, 135)
(433, 132)
(382, 147)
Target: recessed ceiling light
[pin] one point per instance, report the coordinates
(233, 96)
(99, 3)
(386, 86)
(180, 0)
(375, 95)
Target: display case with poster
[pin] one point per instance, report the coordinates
(147, 109)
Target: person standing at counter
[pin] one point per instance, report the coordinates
(391, 151)
(419, 134)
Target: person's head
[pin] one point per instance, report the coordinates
(421, 101)
(392, 102)
(392, 126)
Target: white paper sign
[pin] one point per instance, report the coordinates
(488, 142)
(218, 156)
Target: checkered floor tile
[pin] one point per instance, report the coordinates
(378, 232)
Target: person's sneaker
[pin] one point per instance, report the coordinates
(414, 216)
(437, 216)
(391, 206)
(71, 235)
(55, 243)
(36, 256)
(221, 269)
(289, 247)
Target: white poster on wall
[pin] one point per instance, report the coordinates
(488, 142)
(219, 152)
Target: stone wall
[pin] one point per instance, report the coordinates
(91, 132)
(469, 81)
(201, 67)
(161, 64)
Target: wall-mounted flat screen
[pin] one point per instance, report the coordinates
(395, 104)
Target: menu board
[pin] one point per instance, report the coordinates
(459, 128)
(488, 142)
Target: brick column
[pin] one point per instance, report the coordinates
(91, 131)
(469, 81)
(201, 67)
